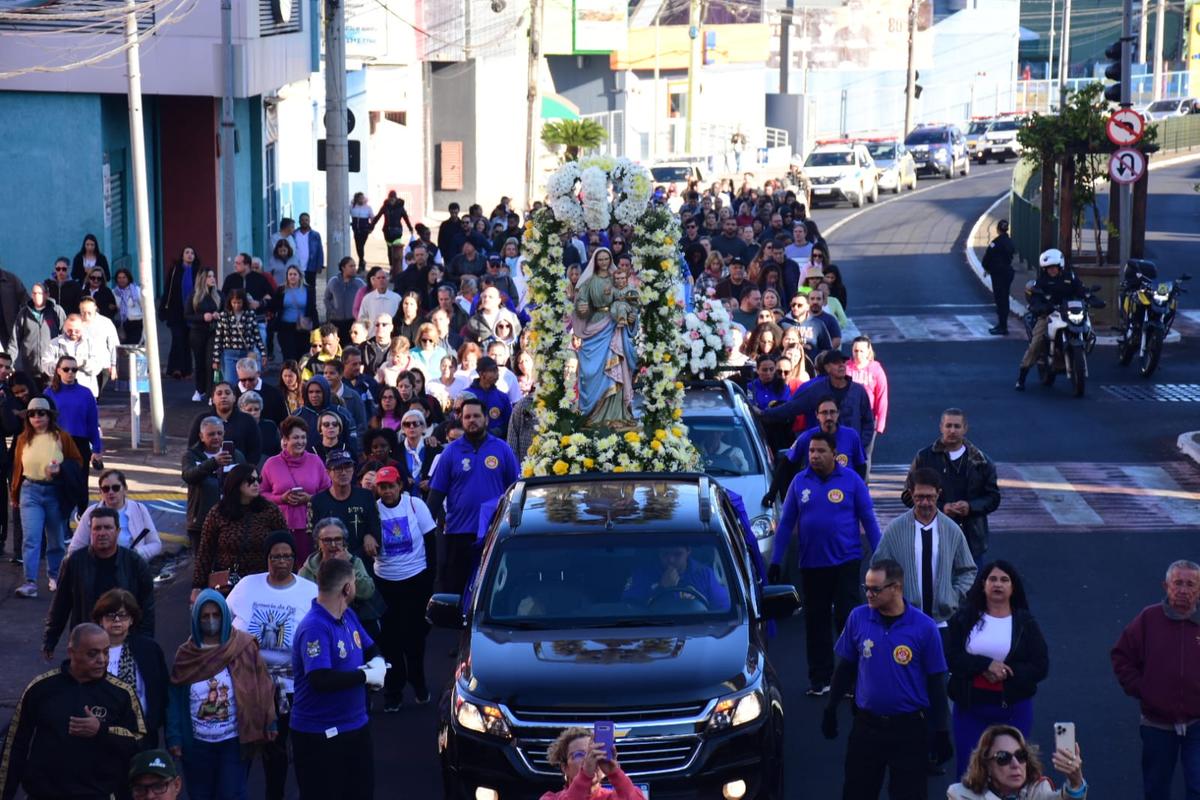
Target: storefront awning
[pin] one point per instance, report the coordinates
(558, 107)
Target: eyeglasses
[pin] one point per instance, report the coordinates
(68, 370)
(117, 616)
(429, 341)
(1003, 758)
(410, 424)
(112, 487)
(157, 789)
(281, 557)
(577, 755)
(338, 542)
(37, 413)
(96, 278)
(60, 269)
(923, 496)
(874, 590)
(329, 423)
(253, 479)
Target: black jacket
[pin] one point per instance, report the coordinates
(1028, 657)
(203, 477)
(42, 757)
(77, 592)
(240, 428)
(274, 407)
(997, 259)
(1050, 293)
(152, 667)
(13, 298)
(67, 294)
(972, 478)
(33, 334)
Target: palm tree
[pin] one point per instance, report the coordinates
(574, 135)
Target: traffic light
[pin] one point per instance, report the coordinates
(1112, 92)
(917, 88)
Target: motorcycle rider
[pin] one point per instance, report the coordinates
(1053, 287)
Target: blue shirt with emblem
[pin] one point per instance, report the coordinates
(322, 642)
(894, 661)
(470, 476)
(496, 406)
(849, 447)
(824, 514)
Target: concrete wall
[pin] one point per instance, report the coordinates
(594, 87)
(453, 119)
(499, 157)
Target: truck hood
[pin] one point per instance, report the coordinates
(625, 667)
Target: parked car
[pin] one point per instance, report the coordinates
(1000, 140)
(974, 135)
(1164, 109)
(894, 165)
(735, 451)
(841, 169)
(938, 149)
(570, 623)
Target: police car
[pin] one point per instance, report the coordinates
(975, 130)
(1000, 140)
(894, 164)
(938, 149)
(841, 169)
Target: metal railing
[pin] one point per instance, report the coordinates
(1044, 95)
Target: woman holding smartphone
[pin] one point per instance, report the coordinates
(290, 479)
(1004, 765)
(584, 764)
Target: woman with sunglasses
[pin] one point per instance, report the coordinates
(137, 530)
(329, 435)
(106, 301)
(234, 536)
(133, 657)
(429, 352)
(997, 656)
(38, 455)
(78, 415)
(1004, 765)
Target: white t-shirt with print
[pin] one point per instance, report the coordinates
(270, 614)
(214, 708)
(402, 551)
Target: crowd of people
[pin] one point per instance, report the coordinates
(331, 492)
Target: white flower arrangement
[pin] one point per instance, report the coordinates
(708, 332)
(579, 193)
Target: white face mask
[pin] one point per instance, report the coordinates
(210, 627)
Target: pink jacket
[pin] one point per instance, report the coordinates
(874, 380)
(581, 789)
(283, 472)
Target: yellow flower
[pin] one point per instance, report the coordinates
(561, 467)
(667, 357)
(541, 404)
(618, 468)
(665, 264)
(678, 431)
(679, 385)
(588, 463)
(564, 441)
(677, 413)
(527, 471)
(668, 241)
(632, 437)
(661, 435)
(656, 445)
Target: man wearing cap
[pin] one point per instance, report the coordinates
(854, 405)
(153, 774)
(470, 471)
(75, 728)
(268, 606)
(736, 284)
(352, 504)
(497, 271)
(997, 262)
(496, 404)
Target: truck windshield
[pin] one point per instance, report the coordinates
(609, 579)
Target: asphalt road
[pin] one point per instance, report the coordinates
(903, 257)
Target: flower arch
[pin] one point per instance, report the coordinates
(580, 198)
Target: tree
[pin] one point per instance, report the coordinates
(575, 135)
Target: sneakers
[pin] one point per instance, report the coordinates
(817, 691)
(53, 585)
(423, 698)
(16, 560)
(392, 706)
(27, 589)
(996, 330)
(198, 398)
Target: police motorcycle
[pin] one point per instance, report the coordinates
(1069, 335)
(1148, 308)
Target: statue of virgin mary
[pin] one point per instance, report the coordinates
(606, 351)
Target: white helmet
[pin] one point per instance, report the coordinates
(1052, 258)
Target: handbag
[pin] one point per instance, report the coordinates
(304, 324)
(223, 580)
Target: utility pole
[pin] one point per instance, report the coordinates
(535, 67)
(696, 9)
(785, 45)
(1145, 17)
(1064, 54)
(1159, 21)
(910, 85)
(228, 147)
(337, 151)
(1050, 58)
(1126, 194)
(141, 210)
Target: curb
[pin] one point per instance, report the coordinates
(1188, 445)
(1017, 306)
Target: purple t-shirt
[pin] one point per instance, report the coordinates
(322, 642)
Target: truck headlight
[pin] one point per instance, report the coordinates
(480, 718)
(762, 526)
(734, 711)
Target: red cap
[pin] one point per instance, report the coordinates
(387, 475)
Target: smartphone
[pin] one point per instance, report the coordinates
(227, 446)
(603, 733)
(1064, 736)
(297, 489)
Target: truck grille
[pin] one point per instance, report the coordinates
(638, 756)
(578, 716)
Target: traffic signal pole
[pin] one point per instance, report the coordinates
(337, 150)
(1126, 224)
(910, 85)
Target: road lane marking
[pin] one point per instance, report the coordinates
(1065, 504)
(977, 325)
(911, 327)
(1156, 479)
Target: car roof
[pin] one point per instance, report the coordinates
(587, 503)
(709, 397)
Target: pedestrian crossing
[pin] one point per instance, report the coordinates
(948, 327)
(1074, 496)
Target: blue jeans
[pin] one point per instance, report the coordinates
(1160, 750)
(229, 359)
(40, 512)
(215, 771)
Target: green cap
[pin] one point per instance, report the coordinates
(153, 762)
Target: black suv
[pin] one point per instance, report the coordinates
(626, 597)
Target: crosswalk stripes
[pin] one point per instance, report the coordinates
(1076, 496)
(932, 327)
